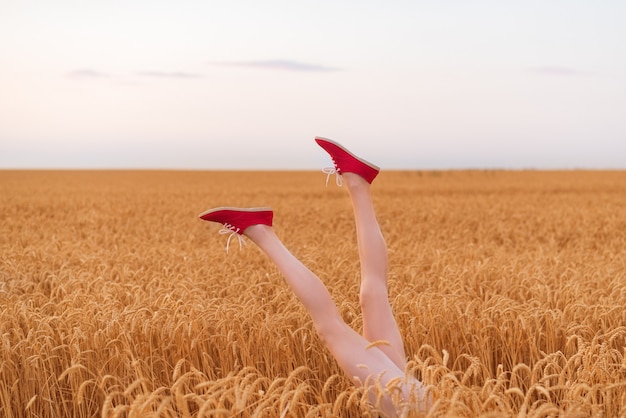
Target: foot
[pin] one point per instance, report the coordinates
(238, 219)
(346, 162)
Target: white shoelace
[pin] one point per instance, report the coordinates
(232, 230)
(329, 171)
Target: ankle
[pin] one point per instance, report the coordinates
(257, 231)
(354, 181)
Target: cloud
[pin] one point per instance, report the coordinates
(86, 73)
(281, 65)
(164, 74)
(557, 71)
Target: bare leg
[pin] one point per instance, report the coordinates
(378, 320)
(348, 347)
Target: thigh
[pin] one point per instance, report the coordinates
(380, 324)
(367, 365)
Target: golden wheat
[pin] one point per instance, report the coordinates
(116, 301)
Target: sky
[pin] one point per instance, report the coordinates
(242, 84)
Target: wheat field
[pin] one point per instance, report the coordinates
(509, 288)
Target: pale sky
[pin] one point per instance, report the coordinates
(193, 84)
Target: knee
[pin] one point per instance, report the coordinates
(330, 330)
(372, 292)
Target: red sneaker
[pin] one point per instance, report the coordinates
(238, 219)
(346, 162)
